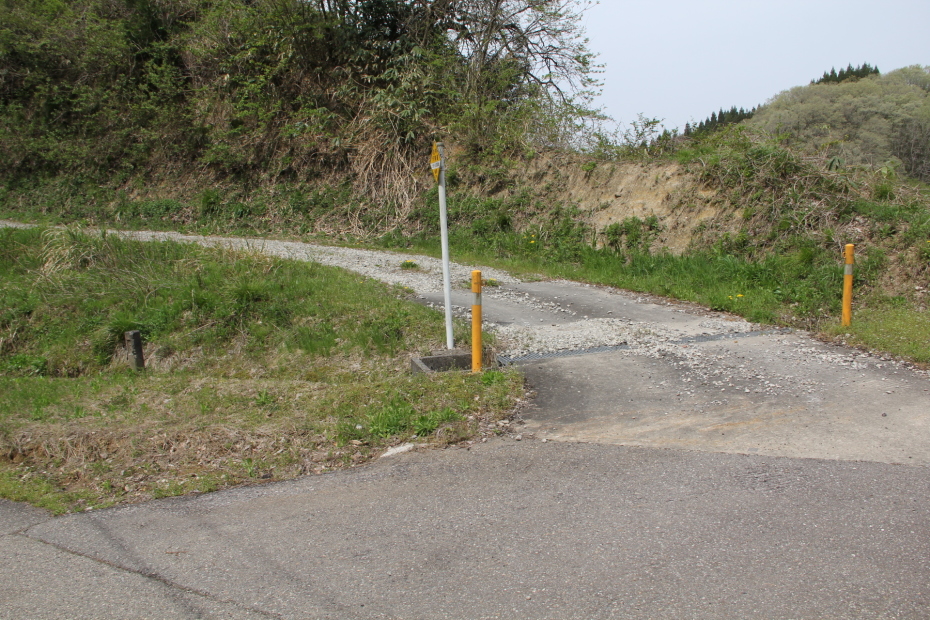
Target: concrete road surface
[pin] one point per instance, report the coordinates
(761, 391)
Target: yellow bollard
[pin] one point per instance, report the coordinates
(476, 322)
(848, 284)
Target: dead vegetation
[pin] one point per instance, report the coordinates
(122, 438)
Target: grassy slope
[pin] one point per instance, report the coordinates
(772, 253)
(257, 368)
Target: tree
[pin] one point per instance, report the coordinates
(540, 40)
(850, 72)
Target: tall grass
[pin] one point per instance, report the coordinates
(803, 284)
(257, 367)
(68, 297)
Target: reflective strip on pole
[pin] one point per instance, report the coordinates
(444, 229)
(848, 284)
(476, 322)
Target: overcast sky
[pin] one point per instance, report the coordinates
(680, 60)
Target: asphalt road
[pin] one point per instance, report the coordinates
(706, 474)
(505, 529)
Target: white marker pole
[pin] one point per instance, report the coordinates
(444, 229)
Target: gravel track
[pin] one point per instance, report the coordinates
(653, 339)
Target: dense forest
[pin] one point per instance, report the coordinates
(719, 119)
(258, 91)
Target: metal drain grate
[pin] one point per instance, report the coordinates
(532, 357)
(727, 336)
(506, 360)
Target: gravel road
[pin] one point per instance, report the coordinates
(566, 325)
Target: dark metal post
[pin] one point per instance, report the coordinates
(134, 345)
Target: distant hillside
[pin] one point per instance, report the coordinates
(878, 120)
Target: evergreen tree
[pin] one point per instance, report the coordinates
(719, 119)
(849, 73)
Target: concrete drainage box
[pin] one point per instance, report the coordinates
(441, 362)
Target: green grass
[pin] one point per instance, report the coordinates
(800, 283)
(800, 286)
(69, 297)
(257, 368)
(39, 490)
(895, 328)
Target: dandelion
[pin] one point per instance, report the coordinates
(532, 241)
(739, 295)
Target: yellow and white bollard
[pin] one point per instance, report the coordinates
(848, 284)
(476, 322)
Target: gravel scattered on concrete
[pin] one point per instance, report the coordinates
(519, 340)
(519, 297)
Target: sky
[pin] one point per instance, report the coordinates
(680, 60)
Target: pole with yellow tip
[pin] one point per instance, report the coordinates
(848, 253)
(438, 165)
(476, 322)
